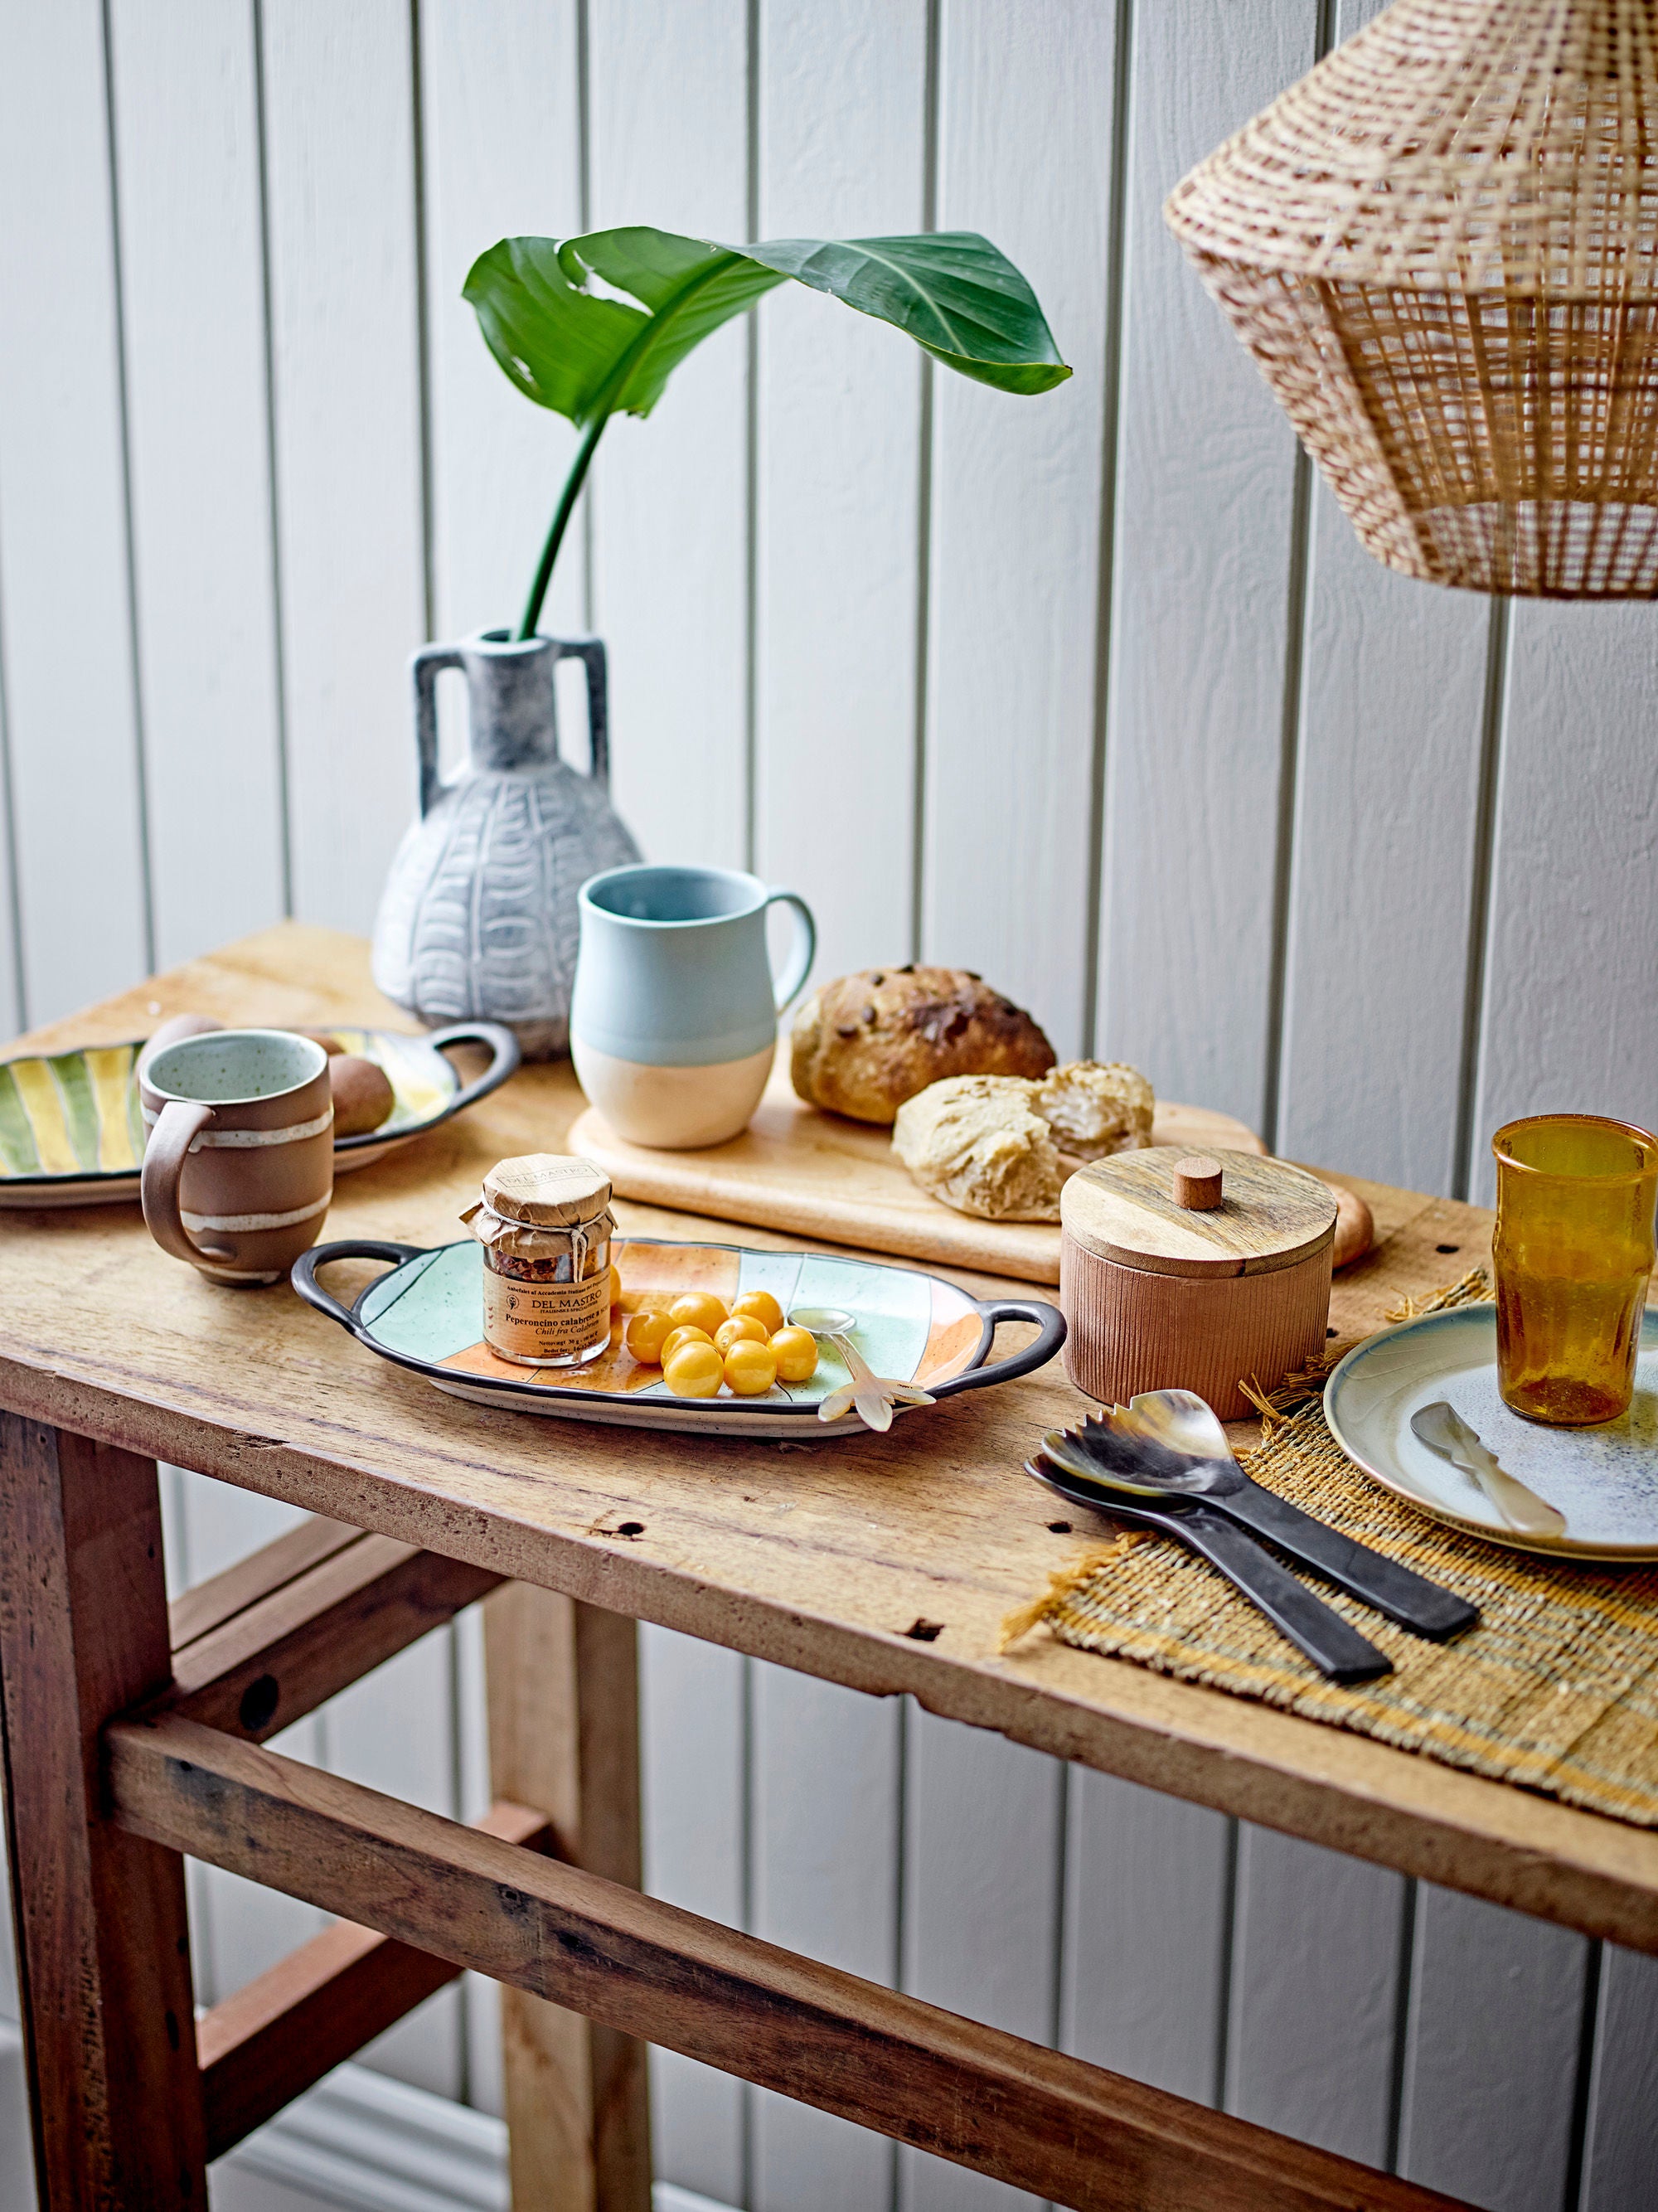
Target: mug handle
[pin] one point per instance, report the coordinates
(177, 1127)
(805, 945)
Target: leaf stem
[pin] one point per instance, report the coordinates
(616, 384)
(566, 500)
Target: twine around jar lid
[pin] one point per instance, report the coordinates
(548, 1190)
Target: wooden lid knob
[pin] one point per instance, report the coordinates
(1196, 1182)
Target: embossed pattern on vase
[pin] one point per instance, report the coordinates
(493, 926)
(479, 918)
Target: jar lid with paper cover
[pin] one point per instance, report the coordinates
(543, 1220)
(548, 1190)
(1200, 1272)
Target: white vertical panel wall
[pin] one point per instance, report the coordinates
(844, 104)
(670, 104)
(1095, 693)
(343, 268)
(1202, 625)
(184, 81)
(75, 762)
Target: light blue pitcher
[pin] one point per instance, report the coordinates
(673, 1019)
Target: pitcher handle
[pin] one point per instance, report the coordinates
(425, 666)
(805, 945)
(591, 650)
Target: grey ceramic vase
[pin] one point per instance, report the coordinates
(479, 918)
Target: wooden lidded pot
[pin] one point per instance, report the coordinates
(1193, 1271)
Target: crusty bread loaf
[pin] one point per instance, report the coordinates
(864, 1044)
(1000, 1145)
(972, 1142)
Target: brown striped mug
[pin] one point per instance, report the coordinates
(239, 1167)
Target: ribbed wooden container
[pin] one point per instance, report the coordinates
(1160, 1297)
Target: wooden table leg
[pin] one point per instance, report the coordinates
(563, 1687)
(103, 1950)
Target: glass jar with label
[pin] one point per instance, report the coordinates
(544, 1224)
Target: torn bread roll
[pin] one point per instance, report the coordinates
(974, 1141)
(1000, 1146)
(1095, 1108)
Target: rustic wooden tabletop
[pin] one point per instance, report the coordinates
(823, 1557)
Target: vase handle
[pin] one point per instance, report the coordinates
(591, 650)
(425, 666)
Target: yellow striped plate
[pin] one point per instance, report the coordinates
(72, 1133)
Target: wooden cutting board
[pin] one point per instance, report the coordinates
(819, 1175)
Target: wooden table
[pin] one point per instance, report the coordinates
(130, 1741)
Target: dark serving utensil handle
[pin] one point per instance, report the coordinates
(1333, 1645)
(303, 1273)
(1408, 1598)
(1050, 1324)
(1337, 1650)
(505, 1054)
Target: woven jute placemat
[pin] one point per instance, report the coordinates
(1556, 1689)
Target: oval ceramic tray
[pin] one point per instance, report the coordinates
(1604, 1479)
(72, 1131)
(428, 1314)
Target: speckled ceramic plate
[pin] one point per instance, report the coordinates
(1604, 1479)
(428, 1314)
(72, 1134)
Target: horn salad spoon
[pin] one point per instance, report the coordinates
(1334, 1645)
(1167, 1444)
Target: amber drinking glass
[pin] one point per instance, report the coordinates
(1573, 1251)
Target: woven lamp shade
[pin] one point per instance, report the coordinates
(1442, 248)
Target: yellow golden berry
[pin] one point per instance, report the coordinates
(699, 1309)
(796, 1352)
(736, 1329)
(694, 1370)
(648, 1330)
(764, 1308)
(676, 1337)
(750, 1367)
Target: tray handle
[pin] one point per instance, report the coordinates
(1050, 1336)
(303, 1273)
(505, 1054)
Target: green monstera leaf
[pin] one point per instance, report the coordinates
(587, 353)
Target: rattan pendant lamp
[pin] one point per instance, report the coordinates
(1442, 248)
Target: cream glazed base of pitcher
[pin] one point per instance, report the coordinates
(675, 1109)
